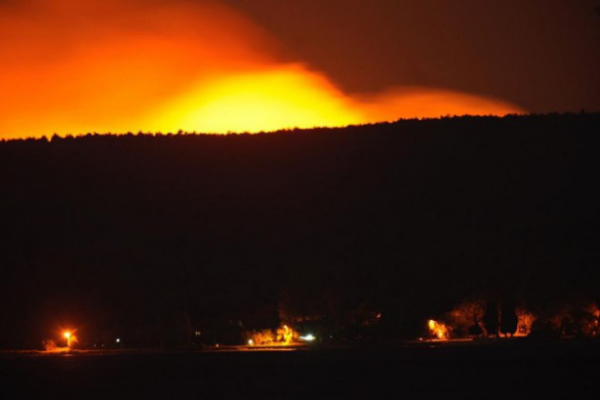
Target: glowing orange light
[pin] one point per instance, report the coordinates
(196, 66)
(282, 97)
(285, 335)
(261, 338)
(438, 330)
(525, 322)
(71, 338)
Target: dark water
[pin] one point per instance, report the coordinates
(508, 372)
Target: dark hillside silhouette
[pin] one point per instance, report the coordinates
(408, 217)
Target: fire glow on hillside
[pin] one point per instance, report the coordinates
(116, 66)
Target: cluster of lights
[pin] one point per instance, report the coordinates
(285, 337)
(68, 335)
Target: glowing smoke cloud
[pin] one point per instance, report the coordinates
(68, 66)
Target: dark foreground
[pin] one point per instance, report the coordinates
(138, 233)
(509, 371)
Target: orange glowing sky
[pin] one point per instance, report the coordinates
(71, 67)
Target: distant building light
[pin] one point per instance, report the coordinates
(197, 333)
(250, 342)
(118, 340)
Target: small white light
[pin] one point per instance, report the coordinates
(118, 340)
(250, 342)
(308, 338)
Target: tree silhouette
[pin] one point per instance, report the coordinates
(508, 318)
(475, 329)
(491, 318)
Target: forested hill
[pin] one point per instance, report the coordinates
(410, 216)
